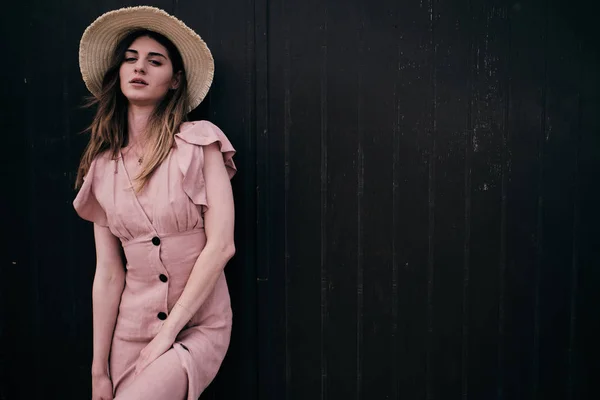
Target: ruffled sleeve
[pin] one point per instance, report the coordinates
(86, 204)
(190, 140)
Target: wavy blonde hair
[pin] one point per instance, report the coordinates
(108, 131)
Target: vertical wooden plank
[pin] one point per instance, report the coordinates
(574, 387)
(452, 65)
(323, 203)
(342, 334)
(485, 293)
(16, 289)
(271, 226)
(587, 320)
(573, 350)
(467, 207)
(274, 383)
(412, 92)
(432, 136)
(360, 192)
(377, 35)
(560, 147)
(540, 210)
(298, 114)
(585, 360)
(566, 353)
(504, 50)
(527, 29)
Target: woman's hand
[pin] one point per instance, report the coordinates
(156, 348)
(102, 388)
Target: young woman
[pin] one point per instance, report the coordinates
(158, 190)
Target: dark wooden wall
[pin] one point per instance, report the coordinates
(416, 205)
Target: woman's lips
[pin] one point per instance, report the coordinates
(138, 82)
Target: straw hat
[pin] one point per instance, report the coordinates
(100, 39)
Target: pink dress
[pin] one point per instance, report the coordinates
(162, 233)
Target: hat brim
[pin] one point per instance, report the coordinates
(100, 39)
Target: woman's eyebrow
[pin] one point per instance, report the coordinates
(152, 53)
(157, 54)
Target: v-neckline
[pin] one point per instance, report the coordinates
(134, 194)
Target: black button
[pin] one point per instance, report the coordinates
(155, 241)
(162, 316)
(163, 278)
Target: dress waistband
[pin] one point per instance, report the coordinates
(148, 238)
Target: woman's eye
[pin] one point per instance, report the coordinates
(130, 59)
(154, 62)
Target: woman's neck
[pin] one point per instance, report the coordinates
(137, 121)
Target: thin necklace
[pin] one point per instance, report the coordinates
(140, 158)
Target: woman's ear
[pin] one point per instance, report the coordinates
(176, 81)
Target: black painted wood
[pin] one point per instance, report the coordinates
(416, 204)
(525, 118)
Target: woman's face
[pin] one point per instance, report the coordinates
(146, 73)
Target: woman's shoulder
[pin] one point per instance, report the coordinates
(101, 161)
(86, 202)
(203, 133)
(190, 142)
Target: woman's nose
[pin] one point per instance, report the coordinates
(139, 67)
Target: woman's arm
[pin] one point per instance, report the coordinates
(109, 281)
(218, 225)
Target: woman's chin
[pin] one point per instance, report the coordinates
(141, 101)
